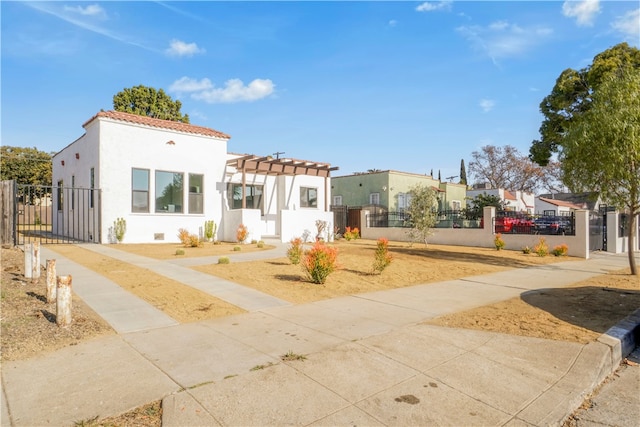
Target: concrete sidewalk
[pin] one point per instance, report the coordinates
(369, 361)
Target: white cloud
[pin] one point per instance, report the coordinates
(393, 23)
(584, 11)
(234, 90)
(91, 10)
(186, 84)
(501, 39)
(487, 105)
(628, 24)
(180, 48)
(431, 6)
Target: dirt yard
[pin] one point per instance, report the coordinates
(580, 312)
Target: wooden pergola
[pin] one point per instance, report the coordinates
(275, 166)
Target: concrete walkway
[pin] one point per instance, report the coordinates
(369, 358)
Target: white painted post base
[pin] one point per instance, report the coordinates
(63, 301)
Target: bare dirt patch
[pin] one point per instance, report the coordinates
(168, 251)
(411, 265)
(29, 322)
(182, 302)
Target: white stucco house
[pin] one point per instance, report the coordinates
(161, 176)
(517, 201)
(545, 206)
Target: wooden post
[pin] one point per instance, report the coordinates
(51, 280)
(63, 301)
(7, 206)
(32, 261)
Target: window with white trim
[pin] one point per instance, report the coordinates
(139, 190)
(308, 197)
(456, 205)
(196, 194)
(337, 200)
(253, 196)
(169, 192)
(374, 198)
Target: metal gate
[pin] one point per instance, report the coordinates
(598, 228)
(49, 214)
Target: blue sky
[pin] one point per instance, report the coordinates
(409, 86)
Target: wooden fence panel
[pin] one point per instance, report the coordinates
(7, 202)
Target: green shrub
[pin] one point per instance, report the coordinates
(210, 228)
(260, 244)
(237, 248)
(526, 250)
(295, 251)
(119, 228)
(179, 251)
(560, 250)
(499, 242)
(319, 262)
(224, 260)
(382, 257)
(541, 248)
(351, 233)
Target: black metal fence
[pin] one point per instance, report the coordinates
(48, 214)
(504, 222)
(444, 219)
(518, 223)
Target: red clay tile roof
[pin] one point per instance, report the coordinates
(158, 123)
(561, 203)
(509, 195)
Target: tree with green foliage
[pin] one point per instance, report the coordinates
(572, 96)
(600, 150)
(28, 166)
(475, 207)
(421, 212)
(463, 173)
(147, 101)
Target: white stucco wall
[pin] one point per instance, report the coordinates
(484, 237)
(115, 147)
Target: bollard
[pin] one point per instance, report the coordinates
(32, 261)
(63, 301)
(51, 280)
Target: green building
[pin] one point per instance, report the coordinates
(390, 190)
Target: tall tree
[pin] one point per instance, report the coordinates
(463, 173)
(421, 212)
(147, 101)
(572, 95)
(601, 148)
(505, 167)
(28, 166)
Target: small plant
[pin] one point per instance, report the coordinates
(541, 248)
(119, 229)
(351, 233)
(292, 356)
(260, 367)
(526, 250)
(295, 251)
(260, 244)
(237, 248)
(187, 239)
(224, 260)
(560, 250)
(242, 233)
(319, 262)
(179, 251)
(320, 226)
(382, 256)
(210, 228)
(183, 236)
(499, 242)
